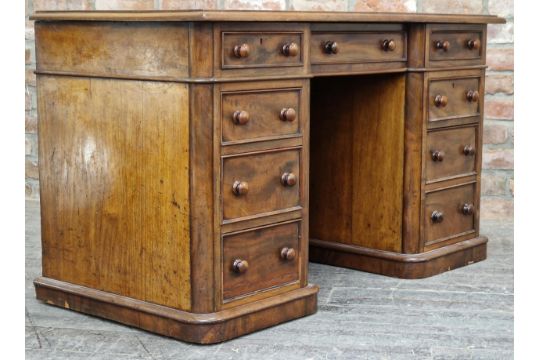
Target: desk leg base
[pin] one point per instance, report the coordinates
(196, 328)
(405, 266)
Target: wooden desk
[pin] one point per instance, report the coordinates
(178, 151)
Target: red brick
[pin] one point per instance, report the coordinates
(32, 169)
(316, 5)
(452, 6)
(493, 184)
(500, 58)
(497, 208)
(499, 107)
(498, 159)
(62, 5)
(385, 5)
(499, 83)
(501, 7)
(495, 133)
(124, 4)
(254, 5)
(501, 33)
(188, 4)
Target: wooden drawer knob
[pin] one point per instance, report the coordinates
(241, 51)
(441, 100)
(469, 150)
(467, 209)
(473, 44)
(331, 47)
(473, 96)
(437, 155)
(240, 117)
(437, 216)
(388, 45)
(240, 188)
(288, 179)
(287, 114)
(240, 266)
(288, 253)
(442, 45)
(290, 49)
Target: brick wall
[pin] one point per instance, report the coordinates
(498, 173)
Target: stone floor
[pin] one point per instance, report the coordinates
(463, 314)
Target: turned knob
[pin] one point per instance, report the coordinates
(437, 155)
(331, 47)
(437, 216)
(388, 45)
(473, 95)
(441, 100)
(468, 150)
(240, 117)
(240, 266)
(241, 51)
(287, 114)
(444, 45)
(288, 179)
(288, 253)
(467, 209)
(473, 44)
(290, 49)
(240, 188)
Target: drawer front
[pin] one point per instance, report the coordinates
(260, 259)
(244, 49)
(454, 98)
(357, 47)
(456, 45)
(449, 213)
(451, 153)
(260, 114)
(260, 183)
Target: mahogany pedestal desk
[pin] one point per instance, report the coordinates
(178, 151)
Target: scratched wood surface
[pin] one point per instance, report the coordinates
(114, 186)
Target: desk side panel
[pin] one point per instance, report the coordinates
(114, 178)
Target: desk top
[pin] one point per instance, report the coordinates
(264, 16)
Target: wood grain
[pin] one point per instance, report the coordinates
(114, 165)
(358, 199)
(261, 249)
(158, 50)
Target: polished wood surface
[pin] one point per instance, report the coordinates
(262, 173)
(175, 159)
(262, 249)
(458, 146)
(106, 172)
(358, 199)
(444, 216)
(257, 114)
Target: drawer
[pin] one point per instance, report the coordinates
(260, 114)
(451, 46)
(245, 49)
(449, 213)
(260, 259)
(357, 47)
(454, 98)
(261, 183)
(451, 153)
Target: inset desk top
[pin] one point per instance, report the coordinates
(264, 16)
